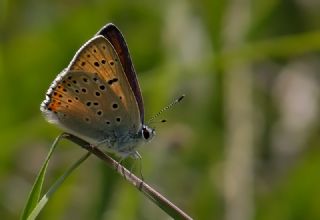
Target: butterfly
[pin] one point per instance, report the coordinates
(97, 97)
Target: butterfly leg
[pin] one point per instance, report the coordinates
(135, 155)
(106, 141)
(119, 165)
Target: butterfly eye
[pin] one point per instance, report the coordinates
(146, 134)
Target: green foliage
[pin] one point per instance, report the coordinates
(178, 47)
(34, 204)
(35, 193)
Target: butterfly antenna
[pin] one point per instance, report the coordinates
(166, 108)
(157, 122)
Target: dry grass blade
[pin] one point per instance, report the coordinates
(161, 201)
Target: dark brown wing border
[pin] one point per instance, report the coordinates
(113, 34)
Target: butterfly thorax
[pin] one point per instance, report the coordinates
(125, 145)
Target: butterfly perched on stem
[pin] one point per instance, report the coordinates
(97, 97)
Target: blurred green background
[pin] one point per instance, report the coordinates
(244, 144)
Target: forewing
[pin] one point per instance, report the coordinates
(113, 34)
(92, 97)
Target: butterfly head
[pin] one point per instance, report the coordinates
(147, 133)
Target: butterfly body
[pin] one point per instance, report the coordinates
(97, 97)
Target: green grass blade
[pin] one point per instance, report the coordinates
(35, 212)
(35, 193)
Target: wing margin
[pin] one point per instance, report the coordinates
(115, 37)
